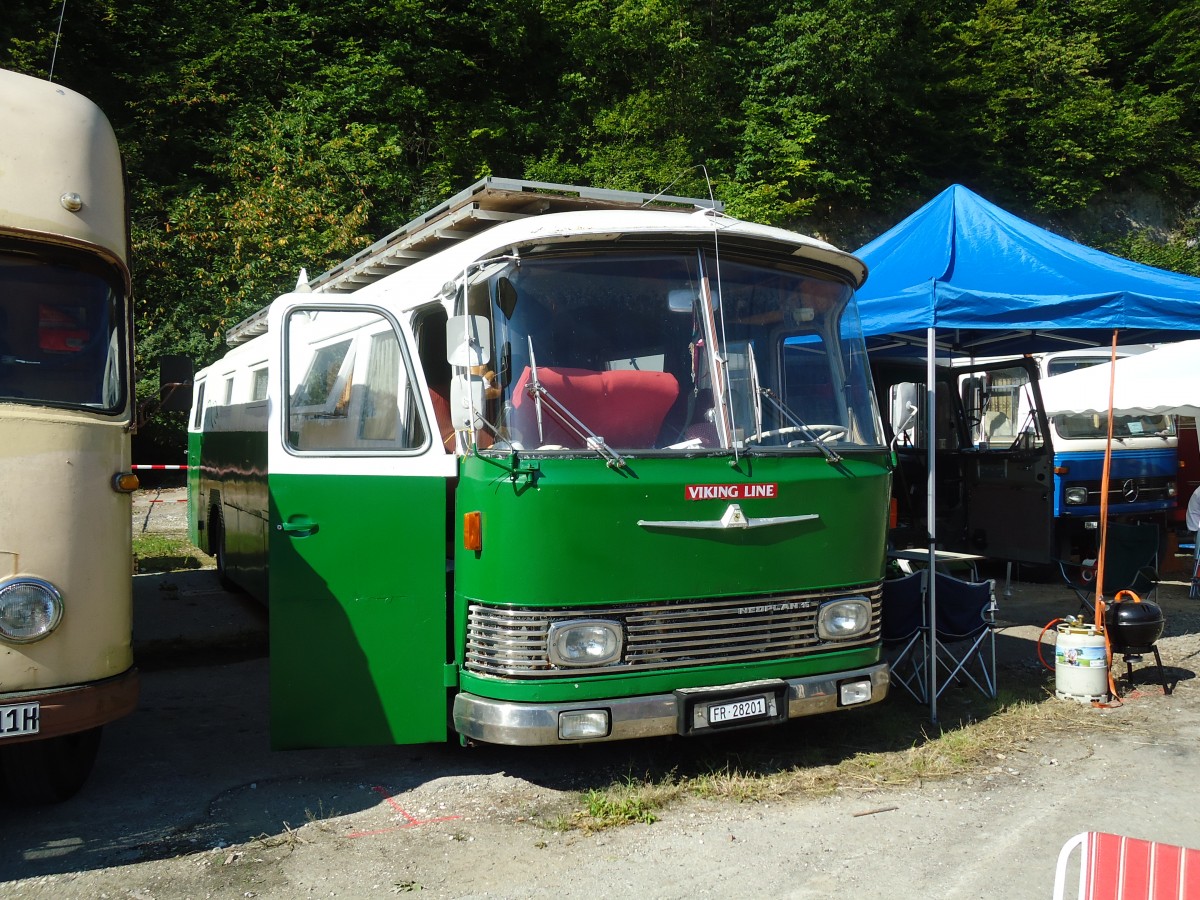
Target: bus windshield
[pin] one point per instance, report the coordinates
(666, 350)
(61, 332)
(1092, 427)
(1096, 426)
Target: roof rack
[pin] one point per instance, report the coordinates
(479, 207)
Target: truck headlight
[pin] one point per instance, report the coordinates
(584, 642)
(29, 609)
(847, 618)
(1075, 496)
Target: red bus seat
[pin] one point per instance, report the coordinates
(626, 407)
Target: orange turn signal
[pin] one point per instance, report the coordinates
(1062, 470)
(125, 482)
(473, 531)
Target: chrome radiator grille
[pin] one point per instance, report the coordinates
(510, 641)
(1129, 490)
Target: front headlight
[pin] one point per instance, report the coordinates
(1075, 496)
(584, 642)
(29, 609)
(841, 619)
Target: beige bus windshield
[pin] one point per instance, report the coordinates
(60, 335)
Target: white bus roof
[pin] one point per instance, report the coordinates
(495, 214)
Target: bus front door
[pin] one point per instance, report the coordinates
(357, 484)
(1009, 470)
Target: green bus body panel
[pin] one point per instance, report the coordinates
(195, 445)
(570, 535)
(230, 465)
(358, 611)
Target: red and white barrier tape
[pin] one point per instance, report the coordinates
(161, 468)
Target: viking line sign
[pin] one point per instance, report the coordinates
(731, 491)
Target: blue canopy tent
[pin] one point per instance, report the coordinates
(991, 283)
(965, 276)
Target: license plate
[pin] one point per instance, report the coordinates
(737, 709)
(19, 718)
(746, 705)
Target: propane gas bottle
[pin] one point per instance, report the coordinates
(1080, 663)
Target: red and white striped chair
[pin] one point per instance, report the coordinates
(1115, 867)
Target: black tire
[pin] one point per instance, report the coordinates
(48, 771)
(216, 540)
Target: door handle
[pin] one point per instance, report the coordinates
(300, 528)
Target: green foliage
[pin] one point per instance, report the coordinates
(1057, 114)
(833, 109)
(1177, 255)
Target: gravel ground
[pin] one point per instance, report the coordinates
(160, 510)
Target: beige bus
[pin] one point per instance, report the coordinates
(66, 414)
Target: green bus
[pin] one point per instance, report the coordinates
(551, 465)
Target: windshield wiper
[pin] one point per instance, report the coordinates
(542, 397)
(830, 455)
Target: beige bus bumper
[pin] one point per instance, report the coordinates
(538, 724)
(68, 710)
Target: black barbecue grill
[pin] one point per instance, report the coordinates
(1134, 627)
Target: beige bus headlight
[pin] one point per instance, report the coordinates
(29, 609)
(584, 642)
(841, 619)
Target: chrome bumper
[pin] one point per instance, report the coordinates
(536, 724)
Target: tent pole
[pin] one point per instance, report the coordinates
(931, 508)
(1105, 472)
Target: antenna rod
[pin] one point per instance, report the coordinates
(57, 37)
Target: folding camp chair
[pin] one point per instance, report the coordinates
(1194, 589)
(905, 634)
(1130, 564)
(1114, 867)
(965, 631)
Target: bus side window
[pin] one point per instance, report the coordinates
(430, 328)
(198, 415)
(355, 392)
(258, 390)
(389, 411)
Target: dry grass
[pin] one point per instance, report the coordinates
(912, 752)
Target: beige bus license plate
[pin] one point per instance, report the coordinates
(19, 719)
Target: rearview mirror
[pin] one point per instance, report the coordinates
(468, 341)
(683, 300)
(466, 394)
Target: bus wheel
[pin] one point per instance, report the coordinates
(49, 770)
(216, 537)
